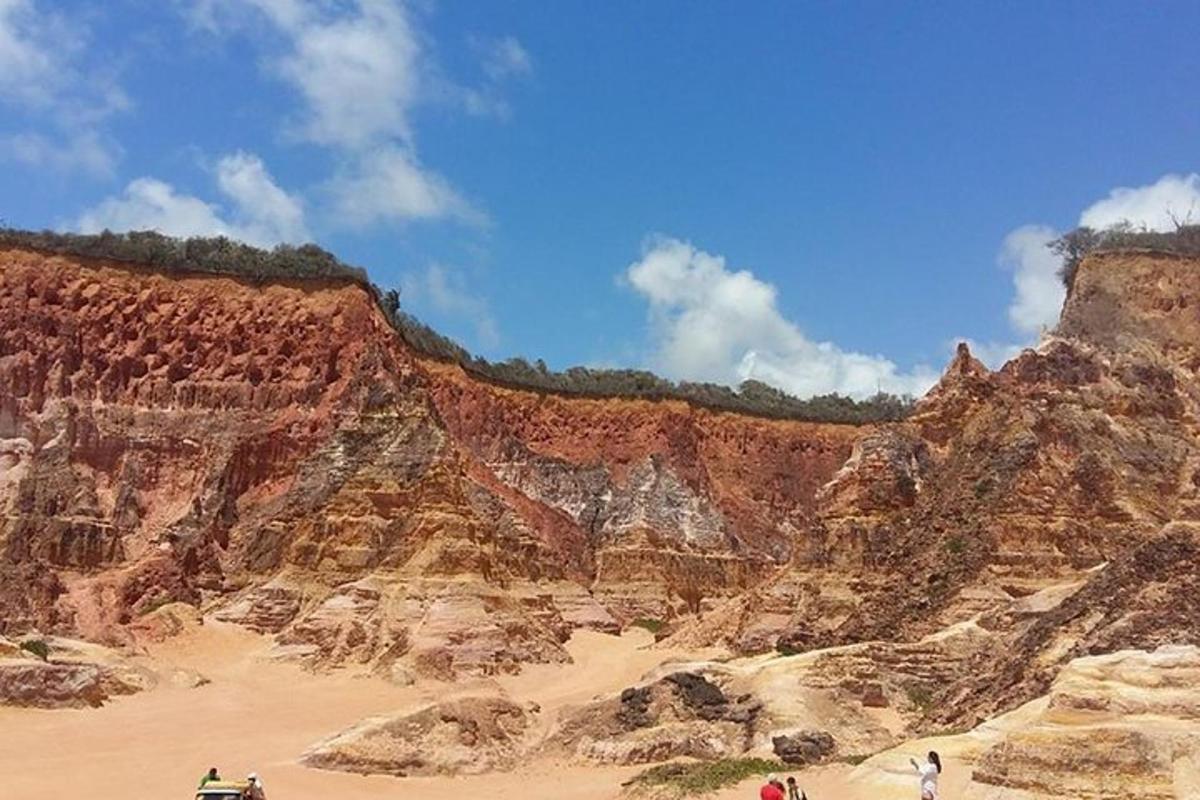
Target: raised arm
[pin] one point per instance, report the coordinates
(916, 766)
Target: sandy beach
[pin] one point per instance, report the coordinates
(260, 714)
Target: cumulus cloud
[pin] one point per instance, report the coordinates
(1155, 207)
(83, 151)
(357, 65)
(361, 69)
(1037, 290)
(260, 212)
(271, 214)
(712, 323)
(358, 73)
(150, 204)
(44, 79)
(387, 184)
(446, 291)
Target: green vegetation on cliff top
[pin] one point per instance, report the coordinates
(1075, 246)
(222, 256)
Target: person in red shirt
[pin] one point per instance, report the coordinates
(772, 789)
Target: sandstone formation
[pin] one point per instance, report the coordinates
(680, 714)
(848, 702)
(274, 454)
(50, 672)
(805, 747)
(1111, 727)
(461, 737)
(1116, 726)
(1048, 508)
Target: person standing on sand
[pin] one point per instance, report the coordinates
(794, 791)
(928, 775)
(209, 777)
(772, 789)
(257, 792)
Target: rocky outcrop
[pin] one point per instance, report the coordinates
(461, 737)
(28, 682)
(1046, 507)
(274, 452)
(681, 714)
(1146, 598)
(1116, 726)
(437, 629)
(806, 747)
(49, 672)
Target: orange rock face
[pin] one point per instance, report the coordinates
(265, 447)
(276, 455)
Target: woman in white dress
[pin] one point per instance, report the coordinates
(928, 775)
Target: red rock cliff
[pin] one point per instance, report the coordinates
(275, 454)
(267, 446)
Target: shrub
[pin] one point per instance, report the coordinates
(956, 545)
(1076, 245)
(155, 605)
(919, 696)
(390, 303)
(36, 647)
(653, 625)
(704, 777)
(217, 255)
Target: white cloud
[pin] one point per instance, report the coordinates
(150, 204)
(272, 214)
(83, 151)
(1038, 291)
(30, 70)
(262, 213)
(359, 65)
(46, 79)
(387, 185)
(711, 323)
(1156, 207)
(358, 73)
(503, 58)
(361, 68)
(446, 291)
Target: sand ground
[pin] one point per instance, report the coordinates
(259, 714)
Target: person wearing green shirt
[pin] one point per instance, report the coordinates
(209, 777)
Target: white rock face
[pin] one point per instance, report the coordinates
(651, 497)
(1114, 727)
(461, 737)
(1117, 726)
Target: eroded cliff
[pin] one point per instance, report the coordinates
(276, 452)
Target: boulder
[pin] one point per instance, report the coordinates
(805, 747)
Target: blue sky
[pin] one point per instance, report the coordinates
(820, 195)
